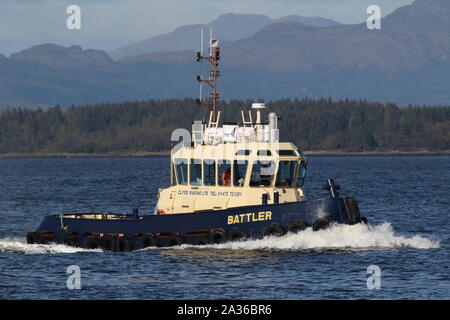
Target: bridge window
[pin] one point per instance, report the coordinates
(209, 172)
(224, 173)
(181, 171)
(240, 168)
(196, 172)
(286, 173)
(262, 173)
(243, 152)
(287, 153)
(264, 153)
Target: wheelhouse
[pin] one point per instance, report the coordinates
(233, 165)
(264, 167)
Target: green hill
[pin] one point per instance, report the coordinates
(146, 126)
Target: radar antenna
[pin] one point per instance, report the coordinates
(213, 58)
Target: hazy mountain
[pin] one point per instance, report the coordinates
(227, 27)
(410, 37)
(309, 21)
(407, 62)
(59, 56)
(177, 57)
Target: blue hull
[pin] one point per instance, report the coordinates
(195, 228)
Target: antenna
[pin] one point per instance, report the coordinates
(201, 41)
(201, 54)
(213, 58)
(201, 87)
(210, 38)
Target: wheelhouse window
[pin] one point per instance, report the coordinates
(243, 152)
(196, 172)
(287, 153)
(286, 173)
(209, 172)
(181, 170)
(262, 173)
(224, 172)
(264, 153)
(240, 168)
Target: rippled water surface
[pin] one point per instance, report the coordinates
(405, 198)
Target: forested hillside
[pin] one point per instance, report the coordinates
(127, 127)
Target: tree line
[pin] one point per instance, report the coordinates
(146, 126)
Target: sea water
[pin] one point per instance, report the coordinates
(405, 198)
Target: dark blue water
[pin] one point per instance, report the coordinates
(405, 198)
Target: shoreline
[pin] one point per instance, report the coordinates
(167, 153)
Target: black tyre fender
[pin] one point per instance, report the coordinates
(124, 244)
(91, 242)
(237, 234)
(217, 236)
(32, 237)
(71, 241)
(273, 230)
(45, 238)
(321, 224)
(297, 226)
(202, 241)
(147, 240)
(109, 243)
(174, 239)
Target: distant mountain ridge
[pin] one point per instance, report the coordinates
(411, 37)
(407, 62)
(227, 27)
(309, 21)
(59, 56)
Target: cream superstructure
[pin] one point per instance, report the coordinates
(261, 169)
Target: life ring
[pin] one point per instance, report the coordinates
(217, 236)
(32, 237)
(297, 226)
(109, 243)
(321, 224)
(174, 239)
(91, 242)
(147, 240)
(237, 234)
(273, 230)
(124, 244)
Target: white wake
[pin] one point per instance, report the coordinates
(337, 237)
(20, 245)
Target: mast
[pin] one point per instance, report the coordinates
(213, 58)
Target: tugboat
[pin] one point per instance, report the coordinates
(228, 182)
